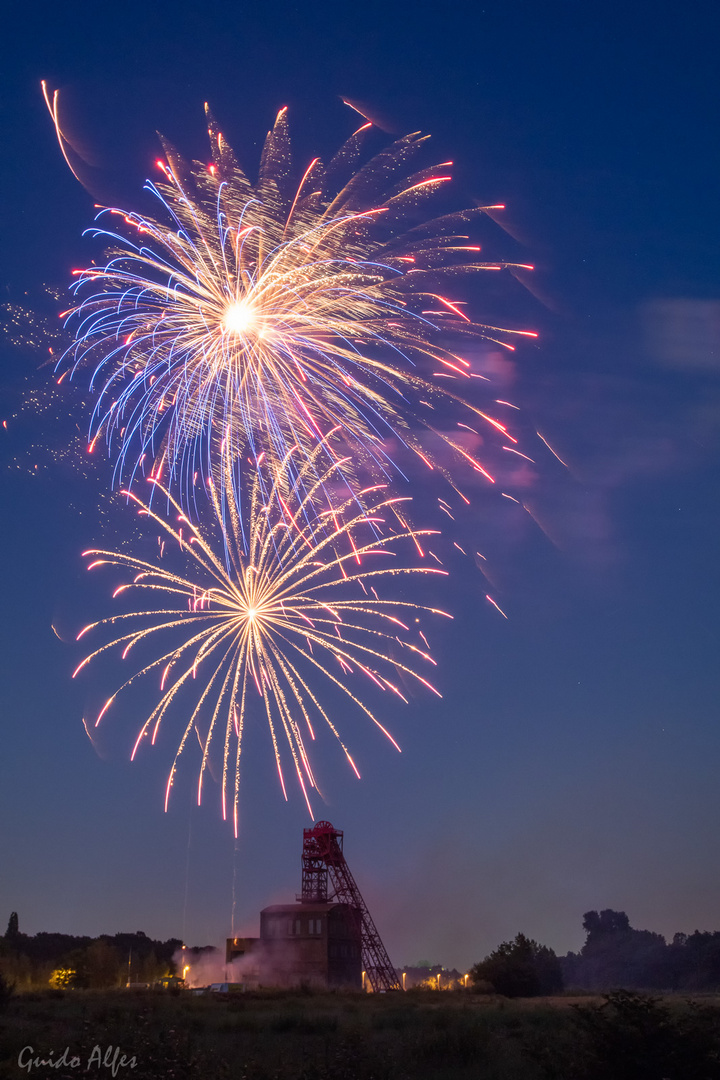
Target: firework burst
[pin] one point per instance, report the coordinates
(259, 317)
(256, 627)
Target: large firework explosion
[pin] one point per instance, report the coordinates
(256, 317)
(255, 627)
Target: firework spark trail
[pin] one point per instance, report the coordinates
(256, 626)
(261, 318)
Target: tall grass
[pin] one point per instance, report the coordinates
(326, 1036)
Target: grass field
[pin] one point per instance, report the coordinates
(326, 1036)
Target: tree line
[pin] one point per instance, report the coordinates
(615, 956)
(65, 960)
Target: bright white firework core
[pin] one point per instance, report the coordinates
(238, 318)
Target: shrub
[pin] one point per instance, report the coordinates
(520, 968)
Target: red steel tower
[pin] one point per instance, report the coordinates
(322, 854)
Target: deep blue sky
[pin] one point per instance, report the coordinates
(573, 761)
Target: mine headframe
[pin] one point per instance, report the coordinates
(322, 855)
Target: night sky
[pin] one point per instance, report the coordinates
(573, 761)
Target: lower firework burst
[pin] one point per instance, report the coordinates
(263, 626)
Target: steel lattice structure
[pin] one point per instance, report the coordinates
(322, 854)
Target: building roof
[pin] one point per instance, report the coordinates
(299, 909)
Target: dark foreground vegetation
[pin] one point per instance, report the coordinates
(454, 1035)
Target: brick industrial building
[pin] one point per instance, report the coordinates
(315, 944)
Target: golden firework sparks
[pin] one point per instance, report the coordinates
(259, 626)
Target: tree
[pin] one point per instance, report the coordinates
(102, 966)
(13, 927)
(520, 968)
(607, 922)
(62, 978)
(7, 989)
(97, 967)
(615, 955)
